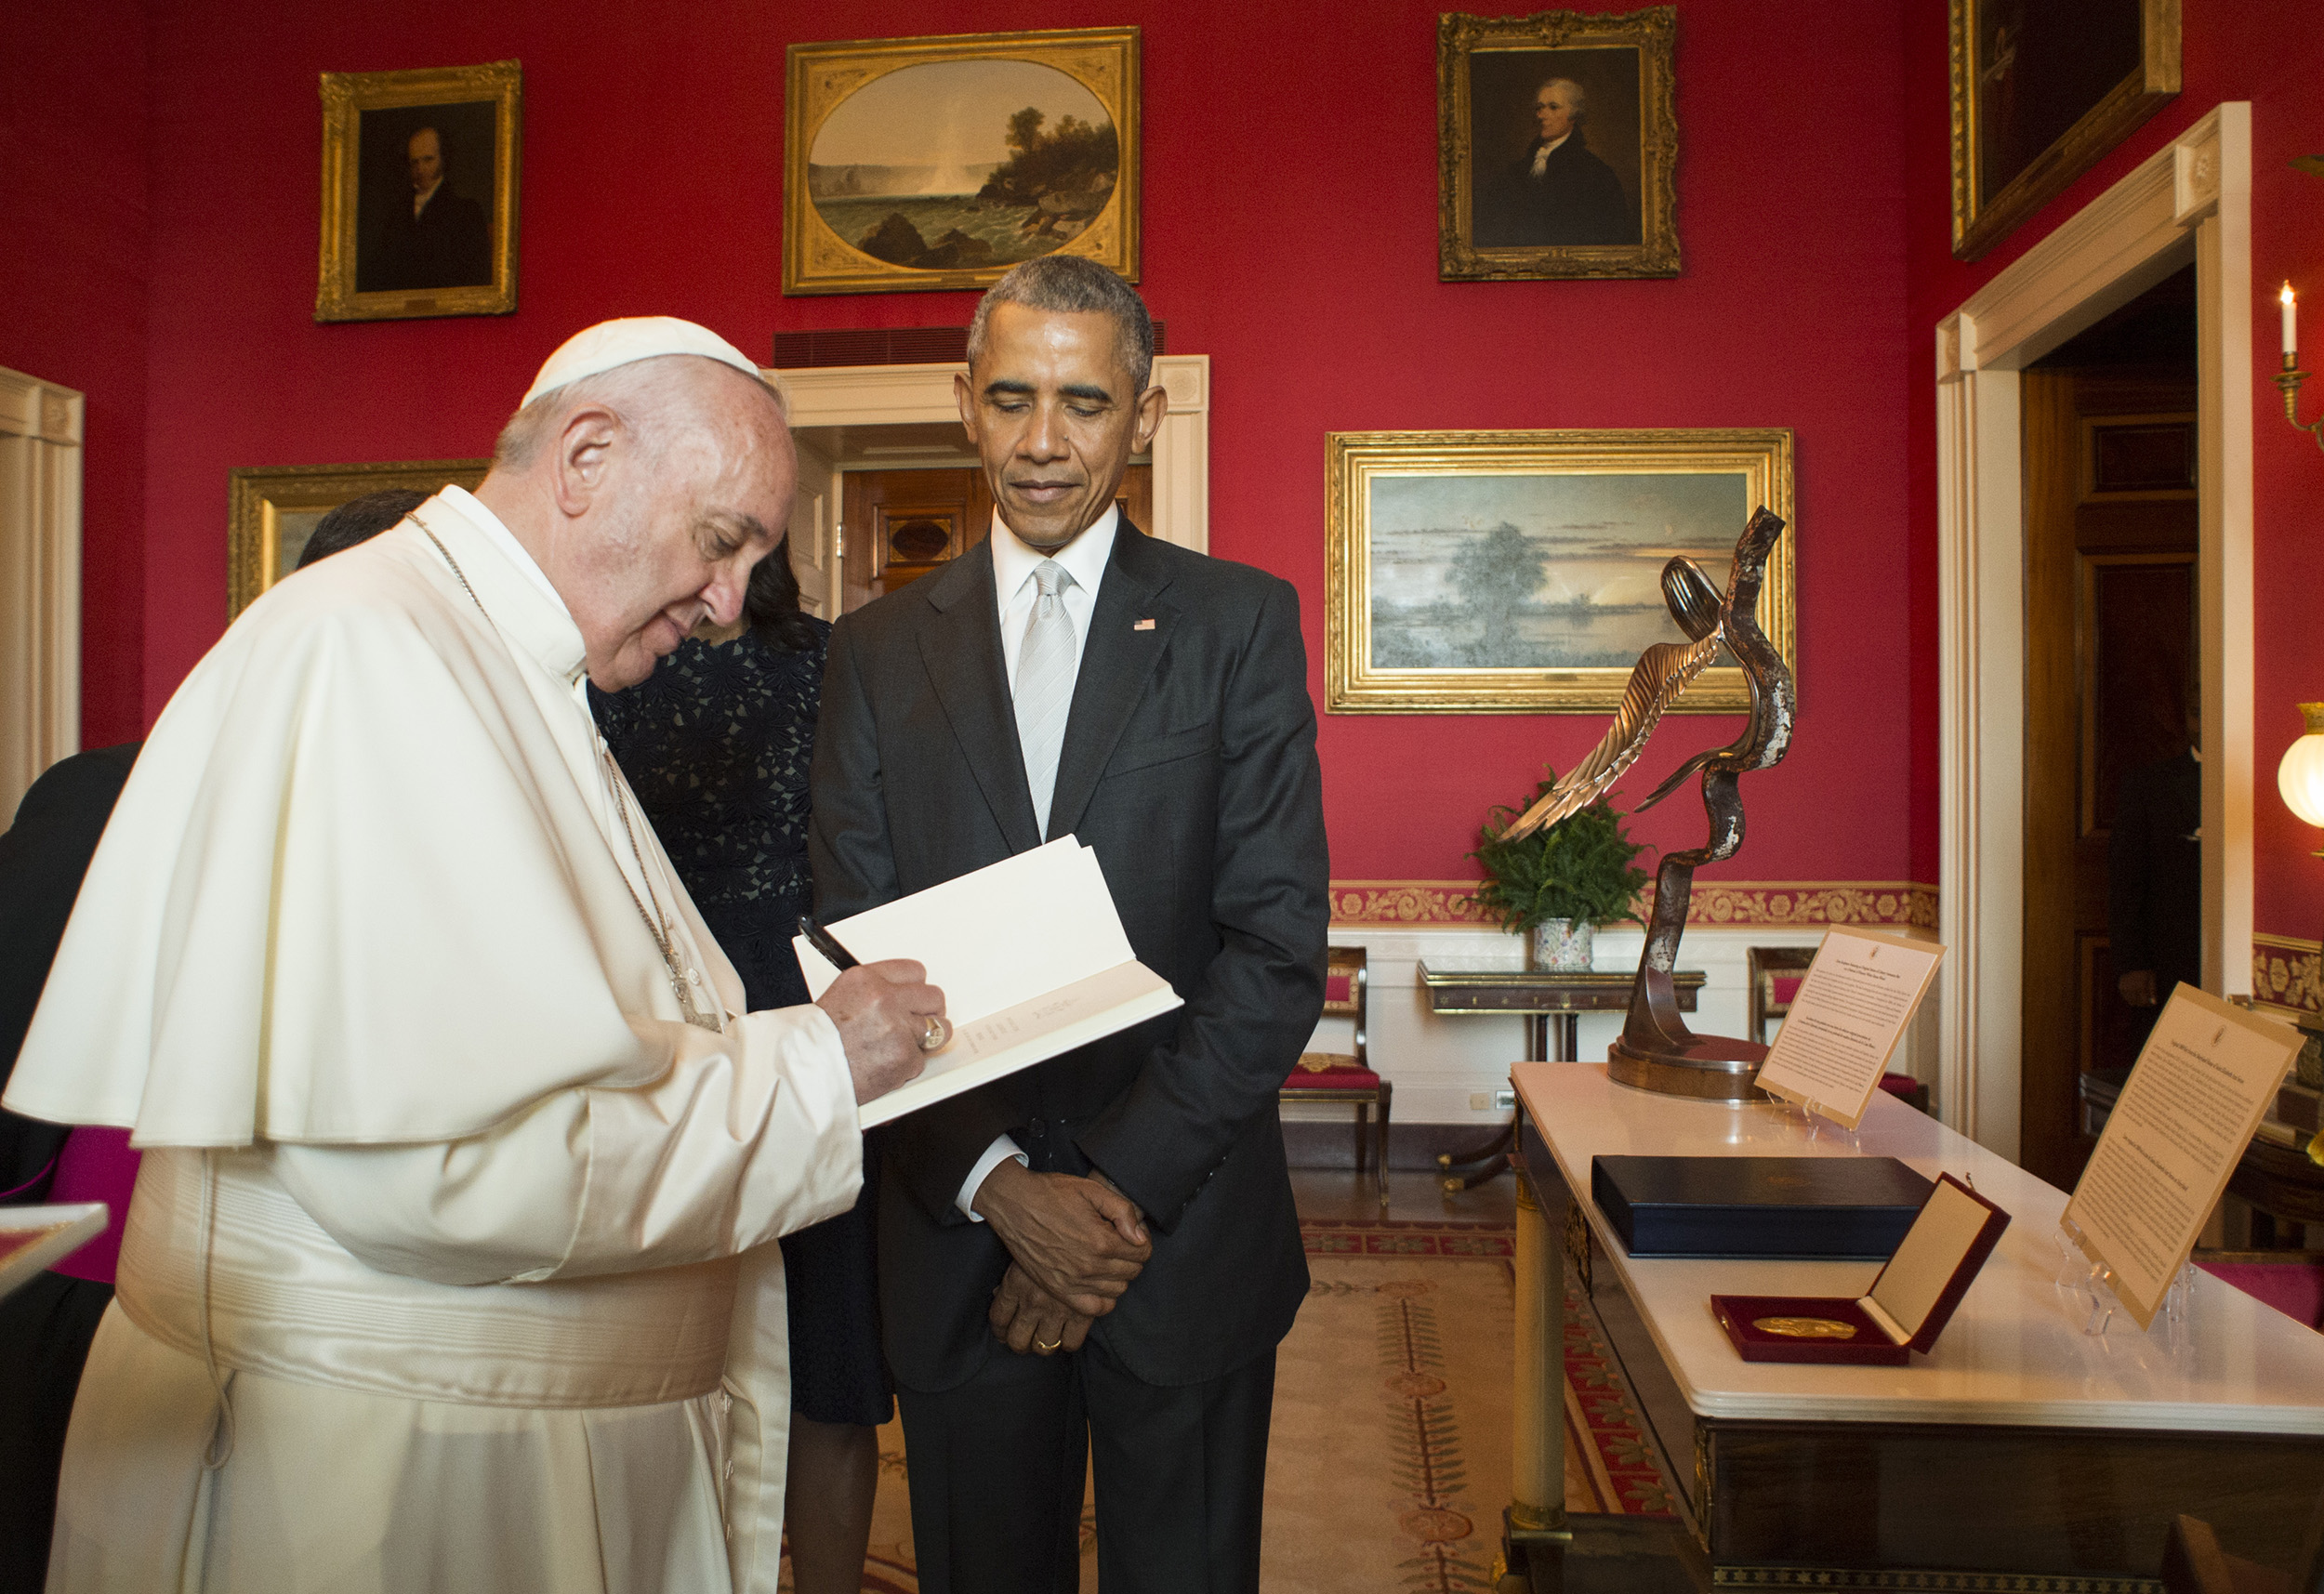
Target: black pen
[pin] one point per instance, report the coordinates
(823, 941)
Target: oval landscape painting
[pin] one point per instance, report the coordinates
(954, 166)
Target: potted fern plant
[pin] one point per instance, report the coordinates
(1556, 886)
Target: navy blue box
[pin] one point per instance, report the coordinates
(1820, 1208)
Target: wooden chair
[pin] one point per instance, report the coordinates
(1347, 1076)
(1774, 973)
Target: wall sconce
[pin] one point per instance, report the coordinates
(2300, 776)
(2301, 780)
(2289, 380)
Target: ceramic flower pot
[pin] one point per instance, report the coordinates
(1559, 946)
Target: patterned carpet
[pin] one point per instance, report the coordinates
(1390, 1456)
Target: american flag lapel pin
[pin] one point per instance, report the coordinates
(1141, 625)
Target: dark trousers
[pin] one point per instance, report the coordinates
(996, 1468)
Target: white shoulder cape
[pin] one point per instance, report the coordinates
(367, 882)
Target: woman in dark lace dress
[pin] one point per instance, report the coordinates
(716, 744)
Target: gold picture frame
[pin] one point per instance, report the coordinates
(385, 257)
(271, 511)
(847, 103)
(1517, 201)
(2089, 78)
(1442, 597)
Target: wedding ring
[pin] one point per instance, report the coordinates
(1050, 1346)
(938, 1032)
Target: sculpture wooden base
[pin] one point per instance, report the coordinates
(1710, 1068)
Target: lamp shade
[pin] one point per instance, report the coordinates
(2300, 776)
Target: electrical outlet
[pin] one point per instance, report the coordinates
(1480, 1100)
(1505, 1100)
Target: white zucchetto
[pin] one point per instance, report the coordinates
(611, 343)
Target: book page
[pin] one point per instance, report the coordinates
(1033, 1032)
(1030, 955)
(1844, 1023)
(995, 937)
(2194, 1099)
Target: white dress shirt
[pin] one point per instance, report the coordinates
(1014, 593)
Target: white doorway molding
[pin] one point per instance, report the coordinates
(2190, 202)
(40, 579)
(861, 399)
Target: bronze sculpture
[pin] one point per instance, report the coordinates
(1656, 1049)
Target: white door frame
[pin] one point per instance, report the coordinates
(40, 580)
(2190, 200)
(872, 396)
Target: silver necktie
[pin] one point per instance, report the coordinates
(1045, 685)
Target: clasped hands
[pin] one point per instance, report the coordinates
(1075, 1245)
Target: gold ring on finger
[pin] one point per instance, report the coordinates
(938, 1031)
(1050, 1346)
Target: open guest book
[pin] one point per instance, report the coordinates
(1909, 1303)
(32, 1237)
(1031, 957)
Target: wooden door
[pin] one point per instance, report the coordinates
(2110, 659)
(812, 533)
(899, 525)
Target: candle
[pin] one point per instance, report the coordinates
(2291, 323)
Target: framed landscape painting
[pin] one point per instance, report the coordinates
(1557, 146)
(2041, 91)
(270, 513)
(1520, 571)
(940, 163)
(419, 192)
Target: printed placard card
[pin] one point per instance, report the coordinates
(1851, 1011)
(2193, 1102)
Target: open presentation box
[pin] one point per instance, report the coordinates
(1907, 1307)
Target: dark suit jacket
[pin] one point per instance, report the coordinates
(448, 245)
(43, 858)
(1576, 200)
(1189, 765)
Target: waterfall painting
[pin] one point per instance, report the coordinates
(918, 164)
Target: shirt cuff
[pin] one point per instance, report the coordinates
(999, 1152)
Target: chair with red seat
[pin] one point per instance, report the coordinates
(1347, 1076)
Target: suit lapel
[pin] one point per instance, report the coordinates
(1116, 663)
(960, 649)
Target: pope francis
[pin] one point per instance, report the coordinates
(448, 1265)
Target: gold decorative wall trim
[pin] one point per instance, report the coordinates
(2285, 973)
(1786, 903)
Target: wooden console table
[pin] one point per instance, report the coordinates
(1543, 997)
(2020, 1454)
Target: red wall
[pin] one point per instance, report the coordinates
(1291, 195)
(73, 294)
(2271, 53)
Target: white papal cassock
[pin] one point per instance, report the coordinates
(449, 1263)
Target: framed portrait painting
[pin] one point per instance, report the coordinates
(2041, 91)
(1520, 571)
(1557, 146)
(940, 163)
(419, 192)
(270, 513)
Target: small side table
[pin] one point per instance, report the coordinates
(1544, 996)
